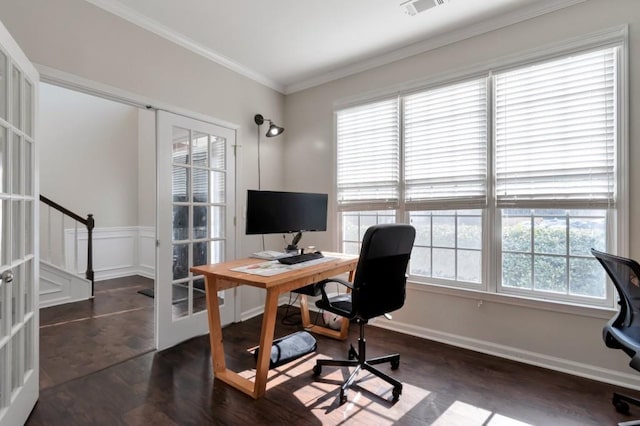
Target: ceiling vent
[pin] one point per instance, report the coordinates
(413, 7)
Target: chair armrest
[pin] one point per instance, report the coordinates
(323, 284)
(336, 280)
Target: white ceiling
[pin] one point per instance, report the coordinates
(290, 45)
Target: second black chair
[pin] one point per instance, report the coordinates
(378, 288)
(623, 330)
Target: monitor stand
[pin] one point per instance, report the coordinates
(293, 247)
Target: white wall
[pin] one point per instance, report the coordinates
(89, 155)
(98, 156)
(541, 335)
(78, 38)
(146, 168)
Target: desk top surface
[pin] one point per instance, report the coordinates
(339, 264)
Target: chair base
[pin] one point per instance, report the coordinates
(356, 359)
(621, 403)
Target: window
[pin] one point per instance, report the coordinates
(509, 178)
(555, 144)
(445, 166)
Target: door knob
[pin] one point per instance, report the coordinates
(7, 276)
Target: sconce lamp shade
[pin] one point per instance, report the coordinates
(273, 130)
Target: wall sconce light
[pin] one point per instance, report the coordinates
(273, 130)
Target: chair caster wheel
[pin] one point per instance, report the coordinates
(396, 393)
(317, 370)
(343, 397)
(395, 364)
(620, 406)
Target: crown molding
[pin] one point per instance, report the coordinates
(537, 9)
(128, 14)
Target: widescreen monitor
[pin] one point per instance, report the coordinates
(276, 212)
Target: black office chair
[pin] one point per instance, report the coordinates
(378, 288)
(623, 330)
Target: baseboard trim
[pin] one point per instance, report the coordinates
(251, 313)
(146, 274)
(540, 360)
(115, 272)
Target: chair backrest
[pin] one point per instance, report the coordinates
(625, 275)
(379, 285)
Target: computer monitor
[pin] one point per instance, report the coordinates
(276, 212)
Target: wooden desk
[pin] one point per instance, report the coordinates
(221, 277)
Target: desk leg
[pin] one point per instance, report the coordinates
(304, 311)
(266, 340)
(215, 327)
(220, 371)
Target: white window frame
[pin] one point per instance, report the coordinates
(617, 218)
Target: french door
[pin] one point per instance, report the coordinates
(19, 335)
(196, 208)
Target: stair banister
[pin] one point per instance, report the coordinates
(89, 223)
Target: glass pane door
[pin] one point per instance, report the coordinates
(18, 260)
(199, 172)
(195, 214)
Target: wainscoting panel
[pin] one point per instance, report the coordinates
(117, 252)
(147, 251)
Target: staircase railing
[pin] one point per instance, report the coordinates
(88, 222)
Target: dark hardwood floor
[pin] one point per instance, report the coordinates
(80, 338)
(443, 385)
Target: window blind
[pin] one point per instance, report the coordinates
(368, 154)
(555, 132)
(446, 146)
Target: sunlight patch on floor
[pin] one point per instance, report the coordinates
(248, 374)
(281, 374)
(370, 399)
(301, 367)
(462, 414)
(374, 399)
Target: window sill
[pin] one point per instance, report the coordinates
(531, 303)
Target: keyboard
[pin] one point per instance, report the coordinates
(299, 258)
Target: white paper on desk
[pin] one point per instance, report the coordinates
(268, 269)
(265, 269)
